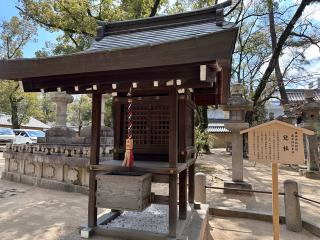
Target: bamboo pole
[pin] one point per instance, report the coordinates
(275, 202)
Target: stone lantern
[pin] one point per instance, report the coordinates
(60, 133)
(311, 118)
(238, 106)
(288, 115)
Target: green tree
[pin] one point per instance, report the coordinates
(79, 112)
(48, 110)
(21, 106)
(77, 20)
(108, 112)
(14, 35)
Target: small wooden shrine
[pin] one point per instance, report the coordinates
(171, 64)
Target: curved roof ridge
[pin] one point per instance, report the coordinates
(107, 28)
(211, 9)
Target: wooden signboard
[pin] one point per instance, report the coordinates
(276, 142)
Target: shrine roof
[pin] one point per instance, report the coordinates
(151, 49)
(297, 95)
(159, 35)
(161, 29)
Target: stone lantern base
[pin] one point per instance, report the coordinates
(238, 185)
(61, 135)
(309, 174)
(106, 135)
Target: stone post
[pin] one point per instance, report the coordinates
(292, 206)
(200, 188)
(62, 100)
(311, 118)
(238, 106)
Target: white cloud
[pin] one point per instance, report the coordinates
(312, 53)
(312, 11)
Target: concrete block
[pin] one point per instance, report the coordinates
(86, 232)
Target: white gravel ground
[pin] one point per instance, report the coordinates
(153, 219)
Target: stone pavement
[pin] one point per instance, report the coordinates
(247, 229)
(218, 167)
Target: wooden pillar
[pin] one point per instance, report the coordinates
(116, 127)
(191, 183)
(172, 205)
(183, 195)
(94, 158)
(182, 129)
(173, 157)
(173, 128)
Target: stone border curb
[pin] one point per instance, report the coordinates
(44, 183)
(261, 216)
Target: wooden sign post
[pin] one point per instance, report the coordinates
(276, 142)
(275, 202)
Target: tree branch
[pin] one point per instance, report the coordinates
(276, 53)
(50, 25)
(154, 8)
(233, 8)
(312, 41)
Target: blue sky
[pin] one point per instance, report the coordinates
(7, 10)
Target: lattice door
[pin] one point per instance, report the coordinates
(150, 125)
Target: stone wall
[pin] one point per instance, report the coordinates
(54, 166)
(221, 140)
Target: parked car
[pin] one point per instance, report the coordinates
(27, 136)
(6, 136)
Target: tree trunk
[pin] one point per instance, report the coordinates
(278, 73)
(276, 53)
(203, 118)
(14, 115)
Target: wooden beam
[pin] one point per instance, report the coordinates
(207, 74)
(188, 74)
(183, 195)
(94, 158)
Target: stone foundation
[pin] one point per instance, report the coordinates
(195, 227)
(53, 166)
